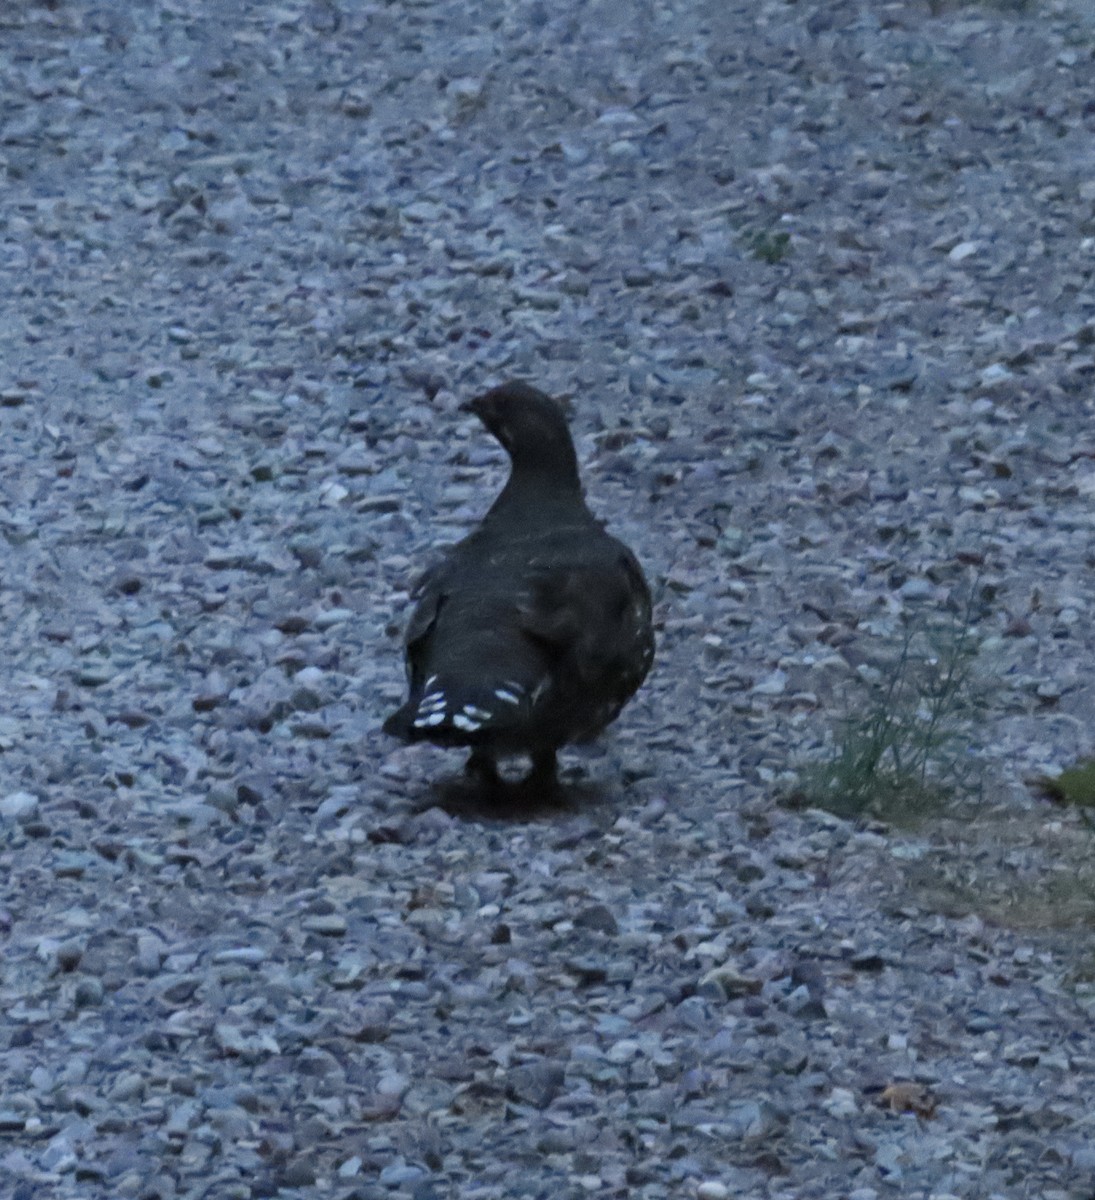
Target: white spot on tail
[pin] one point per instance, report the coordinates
(508, 696)
(466, 723)
(429, 721)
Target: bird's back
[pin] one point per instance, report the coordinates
(527, 637)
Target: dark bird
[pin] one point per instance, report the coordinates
(535, 630)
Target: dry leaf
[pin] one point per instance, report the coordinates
(904, 1096)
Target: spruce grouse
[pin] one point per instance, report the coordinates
(535, 630)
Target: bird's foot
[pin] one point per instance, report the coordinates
(483, 770)
(539, 783)
(538, 791)
(543, 778)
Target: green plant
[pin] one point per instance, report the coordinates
(1026, 876)
(902, 750)
(1076, 785)
(770, 247)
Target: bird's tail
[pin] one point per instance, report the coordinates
(460, 711)
(400, 722)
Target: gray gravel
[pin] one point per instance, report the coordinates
(819, 280)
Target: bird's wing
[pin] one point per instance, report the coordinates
(593, 617)
(429, 593)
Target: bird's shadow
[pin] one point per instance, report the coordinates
(520, 802)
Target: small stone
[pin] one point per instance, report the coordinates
(263, 470)
(94, 674)
(332, 617)
(726, 982)
(250, 956)
(58, 1157)
(298, 1174)
(622, 1051)
(130, 1085)
(393, 1083)
(588, 968)
(805, 1005)
(18, 806)
(223, 797)
(963, 251)
(399, 1172)
(308, 554)
(841, 1103)
(751, 1120)
(127, 583)
(712, 1189)
(535, 1083)
(89, 993)
(150, 953)
(1083, 1158)
(773, 684)
(916, 589)
(180, 988)
(69, 954)
(327, 925)
(597, 917)
(72, 864)
(994, 374)
(231, 1039)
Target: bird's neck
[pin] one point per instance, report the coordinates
(533, 492)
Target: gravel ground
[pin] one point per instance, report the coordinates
(818, 277)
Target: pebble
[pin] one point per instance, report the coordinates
(69, 955)
(399, 1173)
(841, 1103)
(623, 1051)
(248, 955)
(773, 684)
(88, 993)
(18, 806)
(963, 251)
(328, 925)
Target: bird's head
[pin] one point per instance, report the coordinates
(531, 427)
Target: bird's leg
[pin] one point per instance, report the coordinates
(543, 775)
(483, 769)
